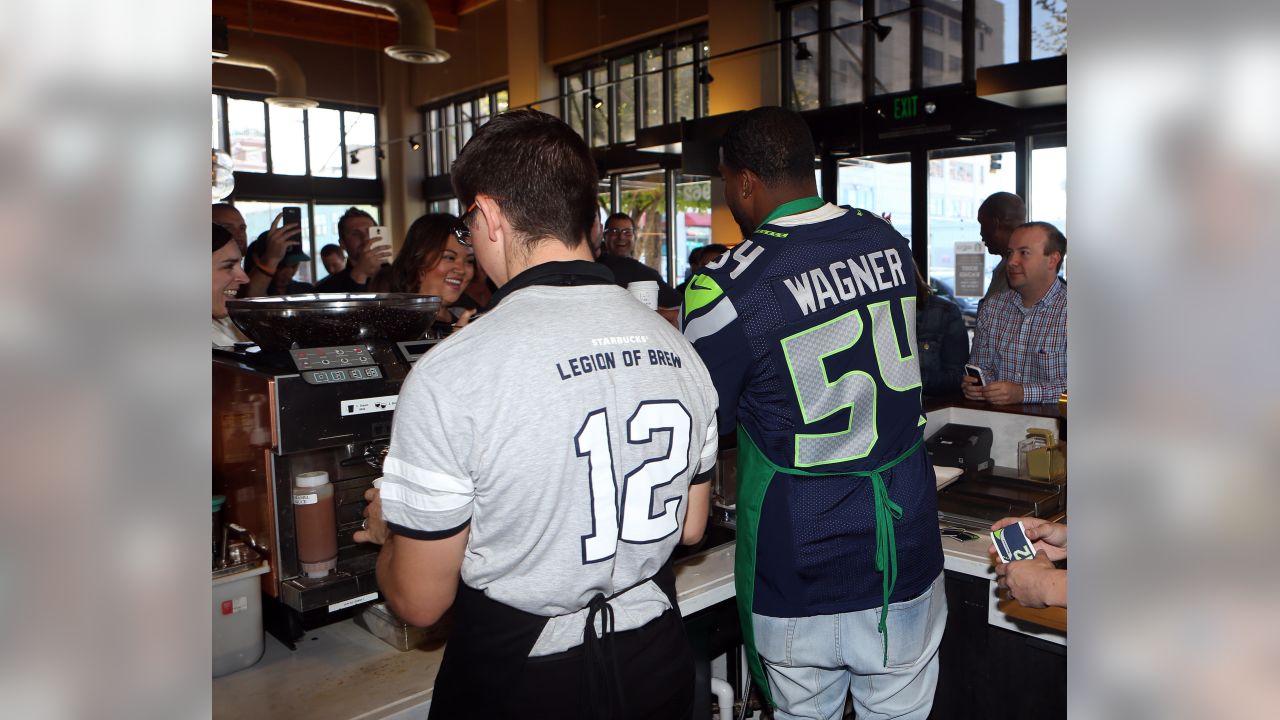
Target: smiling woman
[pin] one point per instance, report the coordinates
(432, 261)
(227, 279)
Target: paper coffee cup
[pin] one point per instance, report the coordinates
(646, 291)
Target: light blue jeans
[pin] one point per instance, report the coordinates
(814, 662)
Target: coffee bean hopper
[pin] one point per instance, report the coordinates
(316, 390)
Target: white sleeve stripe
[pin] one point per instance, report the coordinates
(430, 501)
(711, 323)
(710, 448)
(426, 480)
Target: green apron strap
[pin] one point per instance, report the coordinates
(755, 472)
(754, 476)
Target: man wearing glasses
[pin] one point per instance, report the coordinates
(619, 240)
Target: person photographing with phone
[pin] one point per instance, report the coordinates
(363, 260)
(1020, 344)
(263, 262)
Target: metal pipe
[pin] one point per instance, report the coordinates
(417, 31)
(291, 83)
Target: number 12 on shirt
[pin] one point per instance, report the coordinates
(632, 521)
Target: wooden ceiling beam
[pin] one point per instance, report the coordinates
(325, 21)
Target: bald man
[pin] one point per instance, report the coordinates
(998, 215)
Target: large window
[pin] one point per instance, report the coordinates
(1048, 28)
(996, 34)
(849, 31)
(643, 196)
(692, 219)
(879, 184)
(942, 49)
(959, 180)
(329, 141)
(449, 124)
(608, 100)
(275, 148)
(1047, 193)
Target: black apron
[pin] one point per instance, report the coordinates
(490, 642)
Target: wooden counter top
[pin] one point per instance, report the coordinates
(1050, 617)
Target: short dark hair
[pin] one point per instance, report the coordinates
(221, 236)
(351, 214)
(423, 247)
(330, 248)
(1055, 241)
(772, 142)
(538, 169)
(619, 216)
(223, 206)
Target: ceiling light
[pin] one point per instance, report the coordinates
(705, 78)
(596, 102)
(802, 50)
(220, 47)
(882, 30)
(354, 158)
(381, 155)
(414, 144)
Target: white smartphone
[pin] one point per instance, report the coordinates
(379, 237)
(975, 372)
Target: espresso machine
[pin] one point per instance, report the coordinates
(315, 392)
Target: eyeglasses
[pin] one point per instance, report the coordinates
(461, 231)
(619, 232)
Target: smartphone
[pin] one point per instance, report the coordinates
(379, 237)
(293, 216)
(975, 372)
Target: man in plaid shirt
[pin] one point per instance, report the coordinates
(1021, 339)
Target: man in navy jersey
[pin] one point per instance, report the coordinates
(808, 330)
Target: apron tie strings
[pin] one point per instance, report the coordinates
(604, 679)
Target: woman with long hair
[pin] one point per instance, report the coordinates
(432, 261)
(227, 279)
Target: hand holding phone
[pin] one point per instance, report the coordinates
(293, 216)
(380, 242)
(975, 372)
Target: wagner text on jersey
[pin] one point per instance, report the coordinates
(845, 280)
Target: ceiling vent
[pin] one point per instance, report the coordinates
(291, 84)
(417, 31)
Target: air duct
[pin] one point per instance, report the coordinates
(417, 31)
(291, 84)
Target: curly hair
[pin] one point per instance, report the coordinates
(424, 244)
(772, 142)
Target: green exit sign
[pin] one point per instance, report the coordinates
(906, 107)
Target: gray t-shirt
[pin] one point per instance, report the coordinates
(565, 426)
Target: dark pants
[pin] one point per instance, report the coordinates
(656, 667)
(487, 673)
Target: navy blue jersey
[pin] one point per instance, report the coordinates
(808, 330)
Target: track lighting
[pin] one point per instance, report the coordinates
(354, 158)
(414, 144)
(596, 102)
(802, 50)
(882, 30)
(704, 77)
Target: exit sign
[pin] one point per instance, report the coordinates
(906, 107)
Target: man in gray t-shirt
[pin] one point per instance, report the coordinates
(550, 456)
